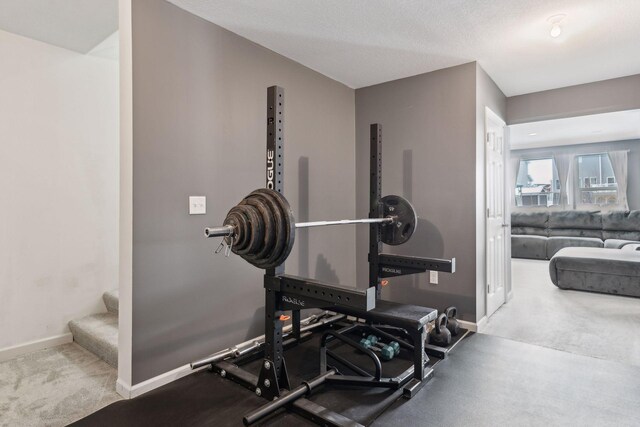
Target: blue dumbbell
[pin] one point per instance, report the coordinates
(387, 352)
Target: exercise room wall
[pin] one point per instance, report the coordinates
(199, 120)
(604, 96)
(429, 157)
(59, 186)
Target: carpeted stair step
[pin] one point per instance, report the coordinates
(111, 301)
(98, 333)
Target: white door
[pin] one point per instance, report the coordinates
(496, 225)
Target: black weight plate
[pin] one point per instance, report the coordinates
(237, 218)
(400, 231)
(289, 227)
(241, 233)
(279, 224)
(280, 215)
(255, 234)
(267, 219)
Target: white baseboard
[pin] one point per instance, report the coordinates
(129, 392)
(474, 327)
(482, 323)
(21, 349)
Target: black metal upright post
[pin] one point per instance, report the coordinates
(375, 206)
(273, 367)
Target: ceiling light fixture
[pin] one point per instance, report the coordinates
(533, 134)
(555, 22)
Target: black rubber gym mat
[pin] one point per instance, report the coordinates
(491, 381)
(206, 399)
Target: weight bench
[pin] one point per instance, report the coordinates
(388, 318)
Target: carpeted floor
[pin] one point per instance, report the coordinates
(590, 324)
(54, 387)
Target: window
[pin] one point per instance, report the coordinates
(537, 183)
(597, 183)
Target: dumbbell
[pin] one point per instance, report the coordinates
(387, 352)
(393, 344)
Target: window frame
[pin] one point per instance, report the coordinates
(594, 188)
(553, 191)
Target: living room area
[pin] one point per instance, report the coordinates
(575, 235)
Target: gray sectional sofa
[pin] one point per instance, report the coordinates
(604, 270)
(539, 235)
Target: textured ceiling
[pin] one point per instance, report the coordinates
(616, 126)
(78, 25)
(365, 42)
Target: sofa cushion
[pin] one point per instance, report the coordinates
(610, 271)
(621, 235)
(618, 243)
(533, 247)
(530, 219)
(621, 221)
(529, 231)
(554, 244)
(580, 220)
(575, 232)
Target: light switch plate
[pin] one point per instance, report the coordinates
(197, 205)
(433, 277)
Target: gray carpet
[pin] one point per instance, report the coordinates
(111, 300)
(98, 333)
(590, 324)
(491, 381)
(54, 387)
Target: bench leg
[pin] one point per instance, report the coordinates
(420, 374)
(419, 356)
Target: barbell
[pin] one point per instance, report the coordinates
(261, 228)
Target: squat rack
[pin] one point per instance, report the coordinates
(292, 293)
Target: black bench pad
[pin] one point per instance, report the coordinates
(393, 314)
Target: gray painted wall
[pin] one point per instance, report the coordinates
(199, 97)
(487, 95)
(429, 157)
(633, 178)
(591, 98)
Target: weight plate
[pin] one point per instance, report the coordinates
(238, 219)
(289, 228)
(400, 231)
(267, 220)
(239, 223)
(254, 227)
(277, 246)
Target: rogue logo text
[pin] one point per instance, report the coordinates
(270, 185)
(294, 301)
(392, 270)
